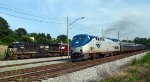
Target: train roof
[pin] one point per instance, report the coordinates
(54, 44)
(85, 35)
(111, 39)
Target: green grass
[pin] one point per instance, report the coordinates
(135, 62)
(138, 72)
(146, 58)
(141, 61)
(1, 55)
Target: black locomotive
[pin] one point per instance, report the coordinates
(23, 50)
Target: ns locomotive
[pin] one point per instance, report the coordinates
(25, 50)
(85, 46)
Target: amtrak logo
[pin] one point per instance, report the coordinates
(98, 45)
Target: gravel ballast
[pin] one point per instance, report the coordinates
(98, 72)
(52, 60)
(11, 62)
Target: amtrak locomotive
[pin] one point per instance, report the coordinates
(85, 46)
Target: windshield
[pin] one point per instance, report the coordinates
(80, 40)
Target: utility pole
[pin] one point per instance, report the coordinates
(68, 36)
(69, 24)
(118, 35)
(102, 33)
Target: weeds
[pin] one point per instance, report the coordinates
(134, 62)
(145, 58)
(139, 71)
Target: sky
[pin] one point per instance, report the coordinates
(131, 18)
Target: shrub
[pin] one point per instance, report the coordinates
(7, 40)
(145, 58)
(25, 39)
(134, 61)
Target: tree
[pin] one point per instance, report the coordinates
(21, 31)
(3, 23)
(63, 38)
(4, 28)
(124, 40)
(141, 40)
(42, 35)
(8, 40)
(25, 39)
(33, 34)
(48, 36)
(42, 40)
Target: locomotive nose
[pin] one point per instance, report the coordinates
(78, 49)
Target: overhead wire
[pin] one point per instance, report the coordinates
(13, 9)
(90, 32)
(30, 18)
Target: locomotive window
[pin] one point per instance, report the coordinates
(97, 38)
(101, 39)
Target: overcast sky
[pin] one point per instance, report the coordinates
(130, 17)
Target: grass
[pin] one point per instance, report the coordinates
(2, 50)
(146, 58)
(139, 71)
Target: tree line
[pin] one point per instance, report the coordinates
(7, 35)
(138, 40)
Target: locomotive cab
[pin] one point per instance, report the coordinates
(78, 46)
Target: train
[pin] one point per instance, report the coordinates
(84, 46)
(26, 50)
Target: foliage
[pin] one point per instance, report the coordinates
(138, 72)
(63, 38)
(21, 31)
(48, 36)
(127, 41)
(7, 35)
(145, 58)
(25, 39)
(42, 40)
(134, 61)
(145, 41)
(8, 40)
(4, 28)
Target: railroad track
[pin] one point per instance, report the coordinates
(49, 71)
(31, 63)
